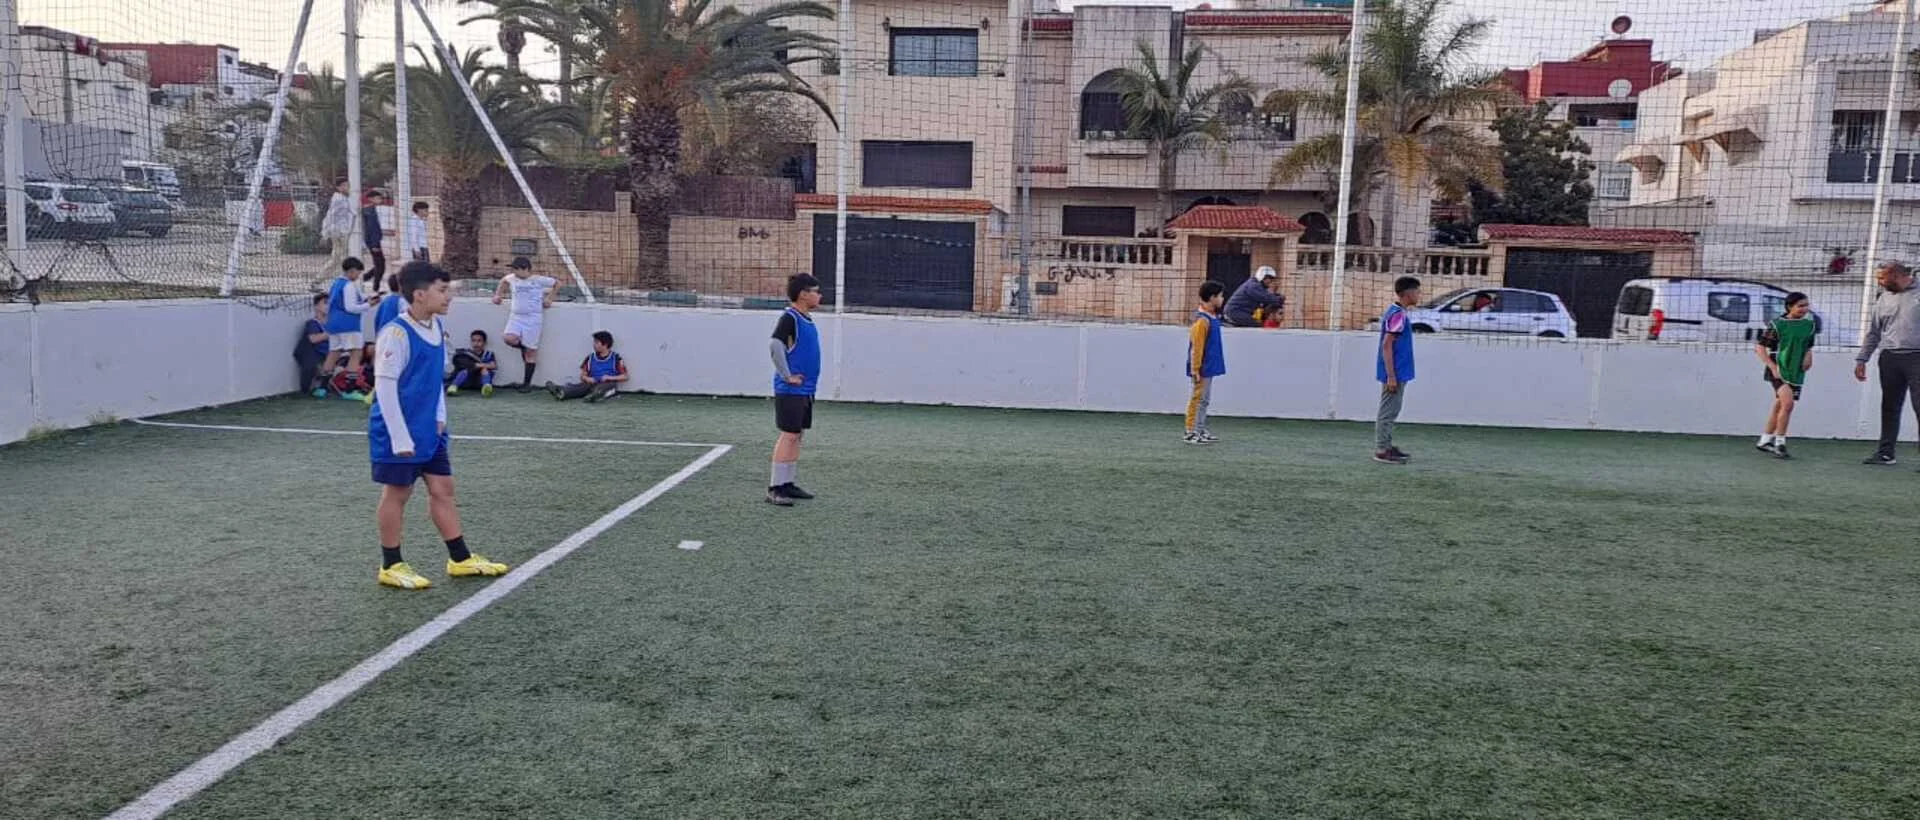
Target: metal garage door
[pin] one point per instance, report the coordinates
(1588, 281)
(899, 263)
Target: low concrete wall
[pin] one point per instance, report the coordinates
(71, 365)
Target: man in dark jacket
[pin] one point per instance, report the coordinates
(1254, 294)
(373, 234)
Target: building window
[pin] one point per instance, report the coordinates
(1084, 220)
(1613, 181)
(227, 90)
(227, 58)
(935, 52)
(1103, 115)
(802, 166)
(1278, 126)
(916, 164)
(1856, 131)
(1861, 82)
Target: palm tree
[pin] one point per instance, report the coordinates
(659, 60)
(556, 21)
(314, 136)
(1173, 116)
(1413, 81)
(451, 141)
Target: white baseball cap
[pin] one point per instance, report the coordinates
(1264, 273)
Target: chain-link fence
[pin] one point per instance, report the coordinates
(1548, 172)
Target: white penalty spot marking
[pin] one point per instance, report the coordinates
(691, 545)
(210, 769)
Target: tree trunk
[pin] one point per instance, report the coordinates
(566, 76)
(1165, 193)
(460, 208)
(653, 157)
(1390, 201)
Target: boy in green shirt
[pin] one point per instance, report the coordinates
(1786, 347)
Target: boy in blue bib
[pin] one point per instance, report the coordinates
(796, 375)
(601, 373)
(1206, 360)
(407, 430)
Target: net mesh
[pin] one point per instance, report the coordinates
(1649, 172)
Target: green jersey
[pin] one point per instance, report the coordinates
(1790, 340)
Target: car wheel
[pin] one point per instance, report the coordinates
(1553, 334)
(1423, 328)
(158, 232)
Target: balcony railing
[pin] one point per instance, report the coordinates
(1426, 262)
(1138, 252)
(1850, 167)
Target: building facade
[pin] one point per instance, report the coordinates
(1772, 156)
(94, 99)
(1598, 91)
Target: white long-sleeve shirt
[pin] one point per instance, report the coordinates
(416, 237)
(339, 221)
(391, 353)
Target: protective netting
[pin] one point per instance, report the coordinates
(1648, 172)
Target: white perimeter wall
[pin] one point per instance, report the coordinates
(69, 365)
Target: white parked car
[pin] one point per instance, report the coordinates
(60, 209)
(1697, 310)
(1509, 311)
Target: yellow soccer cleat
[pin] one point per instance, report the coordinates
(401, 576)
(476, 566)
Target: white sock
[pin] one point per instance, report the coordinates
(1779, 441)
(1766, 439)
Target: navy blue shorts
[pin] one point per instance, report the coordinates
(404, 475)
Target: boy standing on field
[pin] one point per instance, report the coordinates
(796, 375)
(1786, 348)
(407, 430)
(1393, 367)
(1206, 360)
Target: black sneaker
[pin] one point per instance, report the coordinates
(778, 498)
(1766, 447)
(1402, 454)
(527, 387)
(1390, 456)
(794, 492)
(1881, 459)
(600, 393)
(1780, 452)
(556, 391)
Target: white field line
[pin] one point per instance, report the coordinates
(312, 432)
(208, 770)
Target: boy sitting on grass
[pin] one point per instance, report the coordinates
(600, 374)
(474, 365)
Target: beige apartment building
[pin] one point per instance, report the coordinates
(935, 123)
(1771, 156)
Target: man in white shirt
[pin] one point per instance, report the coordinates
(337, 227)
(416, 244)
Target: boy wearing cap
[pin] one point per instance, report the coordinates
(1255, 295)
(532, 295)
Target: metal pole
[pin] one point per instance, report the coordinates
(844, 164)
(1896, 92)
(1356, 46)
(354, 244)
(403, 145)
(1023, 100)
(451, 62)
(259, 174)
(13, 152)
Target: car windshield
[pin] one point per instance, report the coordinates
(86, 196)
(1444, 298)
(149, 200)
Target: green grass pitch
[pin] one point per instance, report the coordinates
(987, 615)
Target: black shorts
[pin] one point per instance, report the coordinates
(793, 414)
(1776, 383)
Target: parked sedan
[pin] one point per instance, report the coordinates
(139, 210)
(1495, 310)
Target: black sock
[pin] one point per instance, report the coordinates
(529, 376)
(457, 549)
(389, 556)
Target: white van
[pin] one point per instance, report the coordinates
(1697, 310)
(160, 178)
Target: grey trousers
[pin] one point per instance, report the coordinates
(1390, 404)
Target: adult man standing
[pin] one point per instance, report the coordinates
(1254, 294)
(1894, 331)
(337, 228)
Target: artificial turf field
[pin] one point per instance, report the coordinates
(986, 614)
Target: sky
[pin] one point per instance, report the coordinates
(1689, 32)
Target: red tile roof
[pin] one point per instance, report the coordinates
(1235, 218)
(894, 204)
(1575, 233)
(1204, 19)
